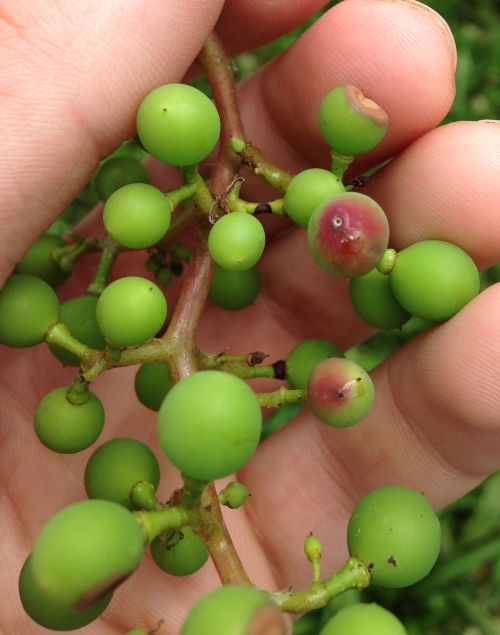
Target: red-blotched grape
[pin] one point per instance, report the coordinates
(363, 619)
(38, 260)
(307, 190)
(348, 234)
(434, 279)
(339, 392)
(66, 427)
(28, 308)
(236, 241)
(85, 551)
(395, 531)
(350, 122)
(186, 556)
(209, 424)
(305, 356)
(178, 124)
(152, 382)
(137, 215)
(117, 172)
(116, 466)
(131, 311)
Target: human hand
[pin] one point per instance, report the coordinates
(425, 430)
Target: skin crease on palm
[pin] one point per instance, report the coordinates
(72, 76)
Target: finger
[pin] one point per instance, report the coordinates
(72, 81)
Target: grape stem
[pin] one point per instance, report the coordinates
(281, 396)
(340, 163)
(110, 249)
(59, 335)
(272, 207)
(253, 159)
(353, 575)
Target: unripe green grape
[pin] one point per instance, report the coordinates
(28, 308)
(234, 290)
(152, 382)
(49, 614)
(363, 619)
(234, 610)
(307, 190)
(79, 315)
(348, 234)
(178, 124)
(374, 301)
(65, 427)
(85, 551)
(117, 172)
(234, 495)
(131, 311)
(236, 241)
(395, 531)
(209, 424)
(137, 215)
(434, 279)
(339, 392)
(305, 356)
(494, 272)
(116, 466)
(350, 122)
(185, 557)
(38, 260)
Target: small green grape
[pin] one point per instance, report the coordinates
(117, 172)
(116, 466)
(65, 427)
(234, 610)
(363, 619)
(351, 123)
(395, 531)
(185, 557)
(304, 357)
(137, 215)
(47, 613)
(339, 392)
(236, 241)
(79, 315)
(209, 424)
(178, 124)
(234, 290)
(28, 308)
(131, 311)
(434, 279)
(38, 260)
(152, 382)
(374, 301)
(85, 551)
(234, 495)
(494, 272)
(307, 190)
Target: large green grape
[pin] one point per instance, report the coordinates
(131, 311)
(152, 382)
(395, 531)
(234, 610)
(137, 215)
(28, 307)
(307, 190)
(178, 124)
(45, 612)
(363, 619)
(374, 301)
(85, 551)
(117, 172)
(79, 315)
(66, 427)
(236, 241)
(38, 260)
(209, 424)
(116, 466)
(185, 557)
(433, 279)
(303, 358)
(339, 392)
(349, 122)
(234, 290)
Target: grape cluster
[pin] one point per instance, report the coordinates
(210, 421)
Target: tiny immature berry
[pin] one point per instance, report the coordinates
(350, 122)
(234, 495)
(312, 548)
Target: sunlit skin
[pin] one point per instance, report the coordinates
(423, 425)
(348, 234)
